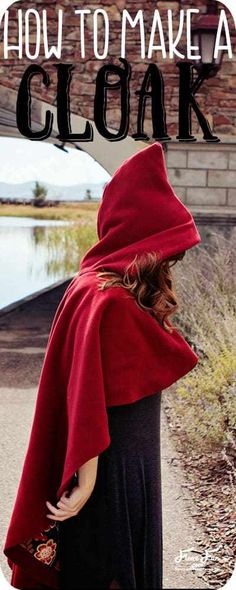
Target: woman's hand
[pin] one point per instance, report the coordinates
(68, 507)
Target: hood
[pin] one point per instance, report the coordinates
(140, 213)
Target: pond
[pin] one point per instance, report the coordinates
(31, 256)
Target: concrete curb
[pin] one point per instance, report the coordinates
(31, 296)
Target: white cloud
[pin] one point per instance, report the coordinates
(22, 160)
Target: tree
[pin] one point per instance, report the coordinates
(39, 195)
(88, 195)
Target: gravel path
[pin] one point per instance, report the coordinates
(23, 336)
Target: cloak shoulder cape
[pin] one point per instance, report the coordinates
(103, 350)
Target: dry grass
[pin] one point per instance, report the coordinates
(206, 398)
(66, 211)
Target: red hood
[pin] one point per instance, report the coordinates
(140, 213)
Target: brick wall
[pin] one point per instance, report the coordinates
(204, 176)
(217, 97)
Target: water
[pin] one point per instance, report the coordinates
(27, 262)
(34, 254)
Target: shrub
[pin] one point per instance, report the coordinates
(39, 195)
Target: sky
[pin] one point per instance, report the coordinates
(22, 160)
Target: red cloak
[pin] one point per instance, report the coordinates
(103, 350)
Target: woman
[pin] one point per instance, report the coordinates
(92, 471)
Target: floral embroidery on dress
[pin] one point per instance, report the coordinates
(46, 552)
(45, 546)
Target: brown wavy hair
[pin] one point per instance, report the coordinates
(149, 280)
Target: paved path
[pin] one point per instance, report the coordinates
(23, 336)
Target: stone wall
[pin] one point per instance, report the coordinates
(204, 176)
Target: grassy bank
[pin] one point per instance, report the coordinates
(62, 212)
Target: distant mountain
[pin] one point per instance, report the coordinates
(61, 193)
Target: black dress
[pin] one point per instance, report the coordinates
(117, 536)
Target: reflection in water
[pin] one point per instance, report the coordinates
(35, 254)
